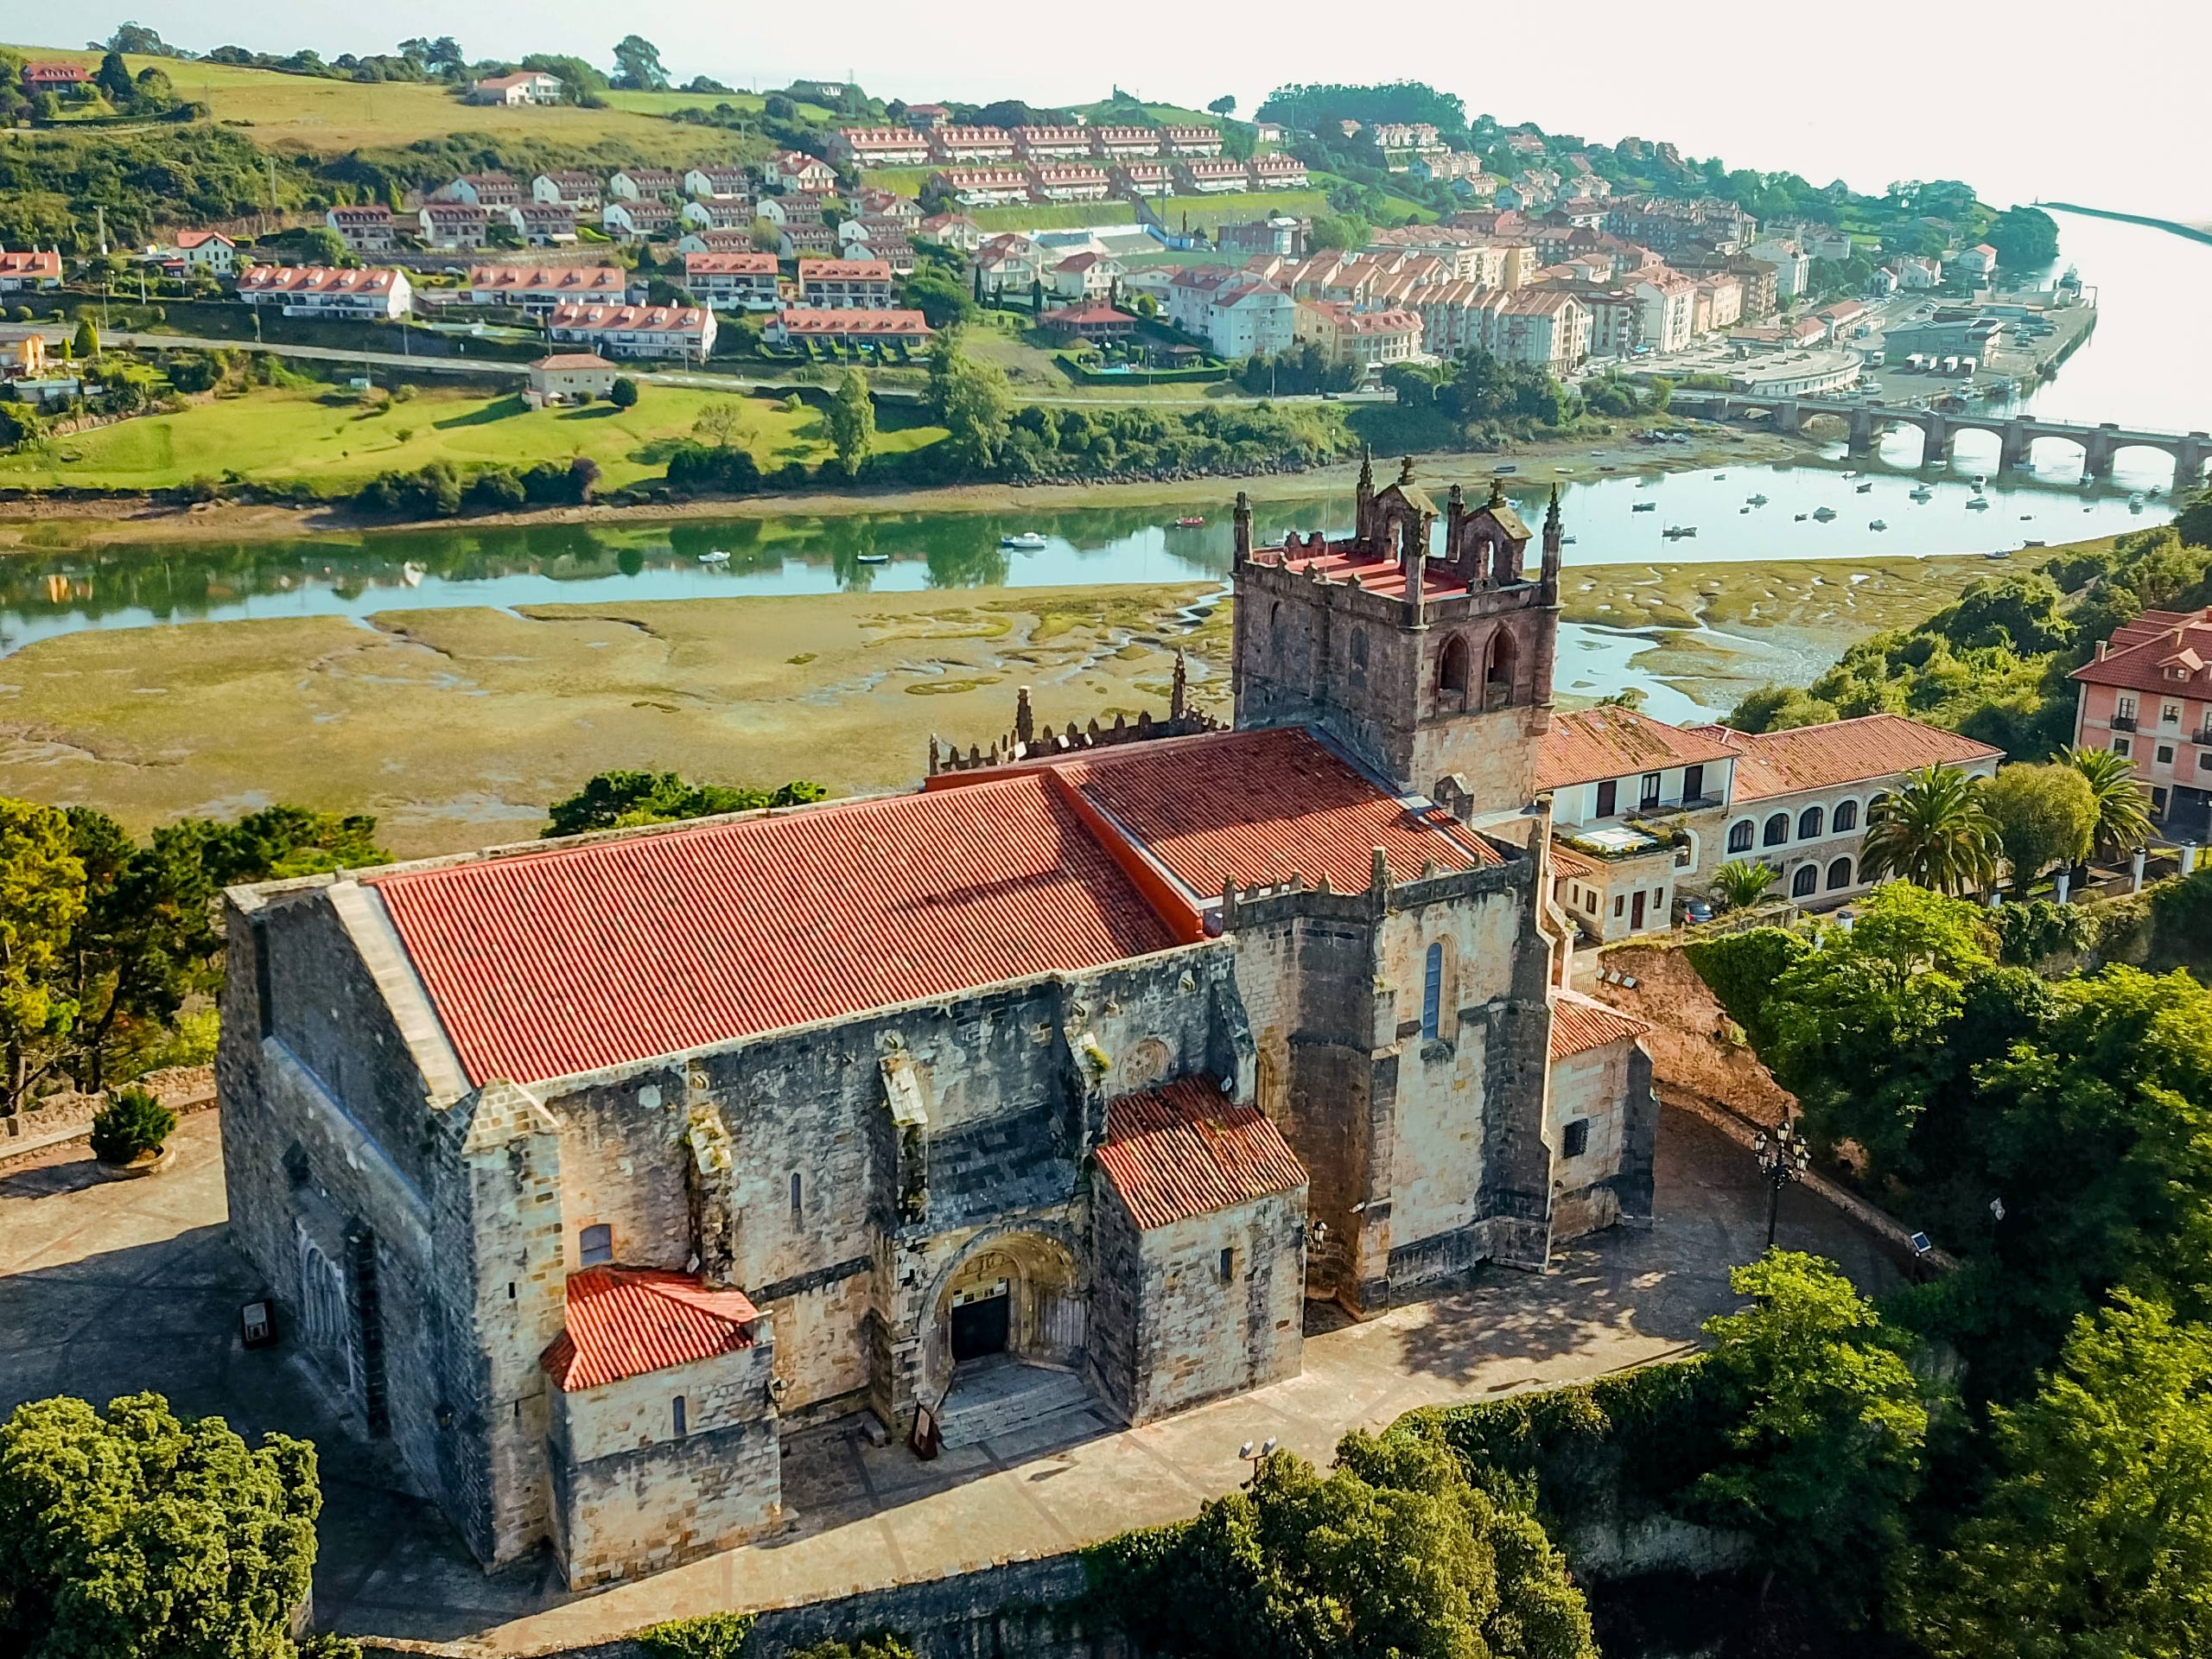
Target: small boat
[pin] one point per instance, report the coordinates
(1509, 467)
(1981, 503)
(1746, 511)
(715, 556)
(1719, 476)
(1875, 524)
(1028, 541)
(1998, 553)
(412, 573)
(1643, 507)
(1921, 492)
(1978, 480)
(871, 558)
(1757, 500)
(2027, 517)
(1675, 532)
(2135, 502)
(1851, 474)
(1866, 487)
(2030, 543)
(1800, 517)
(1822, 515)
(1194, 522)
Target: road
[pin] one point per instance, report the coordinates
(692, 378)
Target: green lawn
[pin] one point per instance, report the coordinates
(308, 114)
(285, 436)
(1203, 213)
(1053, 215)
(1174, 114)
(899, 180)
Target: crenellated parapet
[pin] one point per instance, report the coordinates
(1026, 740)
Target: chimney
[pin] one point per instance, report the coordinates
(2101, 651)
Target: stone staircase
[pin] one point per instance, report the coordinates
(995, 1398)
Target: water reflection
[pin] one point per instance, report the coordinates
(1738, 513)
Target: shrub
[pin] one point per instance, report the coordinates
(133, 1122)
(712, 1636)
(623, 394)
(1741, 970)
(2028, 933)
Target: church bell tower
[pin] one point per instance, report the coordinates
(1428, 657)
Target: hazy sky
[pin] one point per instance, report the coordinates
(2100, 104)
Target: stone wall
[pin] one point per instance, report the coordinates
(54, 1120)
(1609, 1089)
(1223, 1304)
(635, 1494)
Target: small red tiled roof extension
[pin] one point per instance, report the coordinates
(625, 1322)
(1182, 1150)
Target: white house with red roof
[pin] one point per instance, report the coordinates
(207, 251)
(881, 146)
(841, 285)
(372, 294)
(744, 279)
(539, 289)
(685, 333)
(525, 87)
(1802, 797)
(29, 268)
(2147, 695)
(1071, 1077)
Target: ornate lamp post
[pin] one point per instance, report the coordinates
(1785, 1159)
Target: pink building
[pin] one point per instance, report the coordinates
(2148, 695)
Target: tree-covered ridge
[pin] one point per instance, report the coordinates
(1993, 665)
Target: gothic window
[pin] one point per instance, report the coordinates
(595, 1244)
(1778, 829)
(1805, 882)
(798, 1195)
(1839, 874)
(1274, 626)
(678, 1414)
(1740, 835)
(1498, 671)
(1451, 670)
(1431, 993)
(1809, 821)
(1846, 817)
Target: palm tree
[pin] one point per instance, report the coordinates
(1933, 830)
(1741, 884)
(2123, 805)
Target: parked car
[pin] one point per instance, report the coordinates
(1697, 911)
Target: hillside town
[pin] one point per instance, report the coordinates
(790, 874)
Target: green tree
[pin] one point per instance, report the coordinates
(321, 245)
(637, 65)
(1392, 1553)
(280, 842)
(136, 1534)
(621, 800)
(969, 400)
(1859, 1027)
(623, 394)
(1934, 830)
(721, 423)
(1224, 106)
(2025, 236)
(1779, 708)
(1742, 883)
(852, 422)
(2122, 804)
(2045, 815)
(146, 941)
(42, 897)
(113, 78)
(2095, 1541)
(1826, 1445)
(86, 345)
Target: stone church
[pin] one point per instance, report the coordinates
(592, 1170)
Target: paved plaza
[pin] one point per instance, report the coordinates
(108, 1287)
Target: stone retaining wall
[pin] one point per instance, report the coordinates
(56, 1119)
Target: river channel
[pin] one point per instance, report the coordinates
(1739, 513)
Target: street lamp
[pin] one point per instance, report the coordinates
(1785, 1159)
(1256, 1456)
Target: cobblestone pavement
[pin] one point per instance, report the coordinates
(108, 1287)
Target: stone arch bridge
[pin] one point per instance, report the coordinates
(2016, 434)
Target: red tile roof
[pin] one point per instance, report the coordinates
(1264, 806)
(1581, 1023)
(545, 964)
(731, 264)
(625, 1322)
(1610, 742)
(843, 271)
(2140, 655)
(602, 281)
(316, 279)
(1183, 1150)
(1841, 752)
(1567, 862)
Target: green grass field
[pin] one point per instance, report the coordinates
(305, 114)
(290, 436)
(1053, 215)
(899, 180)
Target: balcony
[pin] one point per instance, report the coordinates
(2202, 738)
(2122, 722)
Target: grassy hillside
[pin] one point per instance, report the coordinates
(287, 437)
(1054, 216)
(307, 115)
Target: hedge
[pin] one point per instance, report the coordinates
(1741, 968)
